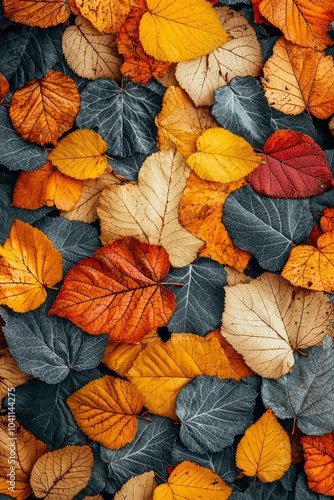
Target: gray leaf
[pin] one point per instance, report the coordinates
(261, 491)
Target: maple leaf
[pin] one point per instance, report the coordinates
(119, 291)
(138, 488)
(319, 462)
(43, 13)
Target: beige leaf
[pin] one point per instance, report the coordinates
(234, 277)
(169, 77)
(89, 53)
(85, 208)
(138, 488)
(240, 56)
(268, 319)
(148, 210)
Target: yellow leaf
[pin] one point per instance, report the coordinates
(223, 157)
(162, 369)
(105, 409)
(189, 481)
(138, 488)
(28, 264)
(106, 16)
(80, 155)
(61, 474)
(264, 451)
(176, 30)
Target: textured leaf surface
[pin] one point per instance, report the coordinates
(43, 13)
(11, 375)
(303, 492)
(319, 464)
(262, 491)
(266, 227)
(106, 15)
(138, 488)
(213, 411)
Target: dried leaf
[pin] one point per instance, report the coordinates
(4, 87)
(169, 78)
(327, 220)
(319, 462)
(42, 13)
(10, 374)
(138, 488)
(106, 16)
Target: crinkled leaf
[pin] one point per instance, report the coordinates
(319, 462)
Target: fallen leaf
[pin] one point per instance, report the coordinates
(119, 291)
(264, 451)
(268, 319)
(24, 450)
(302, 22)
(319, 462)
(327, 220)
(43, 110)
(258, 17)
(163, 369)
(174, 31)
(138, 488)
(42, 13)
(200, 211)
(311, 267)
(73, 6)
(46, 186)
(314, 235)
(148, 210)
(222, 156)
(295, 167)
(89, 53)
(62, 473)
(239, 56)
(235, 277)
(10, 374)
(105, 410)
(28, 265)
(305, 80)
(4, 87)
(188, 481)
(80, 155)
(180, 123)
(169, 79)
(106, 16)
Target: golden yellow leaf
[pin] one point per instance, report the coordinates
(10, 374)
(201, 212)
(178, 30)
(105, 409)
(138, 488)
(42, 13)
(61, 474)
(240, 56)
(29, 263)
(89, 53)
(264, 451)
(267, 319)
(148, 210)
(17, 457)
(180, 123)
(297, 78)
(106, 16)
(189, 481)
(163, 369)
(223, 156)
(80, 155)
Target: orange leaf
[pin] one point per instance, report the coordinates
(4, 87)
(46, 186)
(118, 291)
(319, 462)
(17, 457)
(311, 267)
(28, 264)
(10, 374)
(105, 409)
(303, 22)
(43, 110)
(327, 220)
(200, 211)
(258, 17)
(106, 16)
(264, 451)
(163, 369)
(42, 13)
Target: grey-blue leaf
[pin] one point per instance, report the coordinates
(129, 167)
(303, 492)
(213, 411)
(98, 477)
(300, 123)
(266, 227)
(262, 491)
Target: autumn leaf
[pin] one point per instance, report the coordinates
(80, 155)
(327, 220)
(258, 17)
(239, 56)
(314, 235)
(46, 186)
(222, 156)
(118, 291)
(4, 87)
(200, 211)
(174, 31)
(310, 267)
(10, 374)
(163, 369)
(295, 167)
(264, 451)
(148, 210)
(267, 319)
(24, 450)
(169, 78)
(305, 80)
(43, 110)
(62, 473)
(138, 488)
(106, 16)
(89, 53)
(43, 13)
(28, 264)
(189, 480)
(319, 462)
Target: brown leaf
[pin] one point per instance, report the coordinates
(169, 78)
(10, 373)
(138, 488)
(4, 87)
(42, 13)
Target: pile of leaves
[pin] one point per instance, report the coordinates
(167, 249)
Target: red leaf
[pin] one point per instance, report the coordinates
(296, 167)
